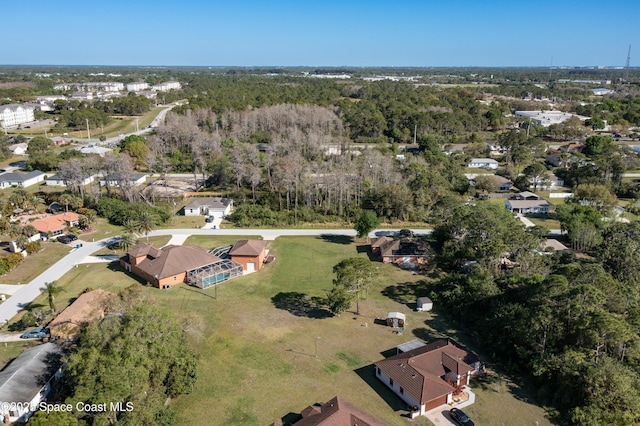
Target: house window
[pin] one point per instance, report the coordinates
(190, 210)
(401, 391)
(378, 371)
(175, 278)
(390, 382)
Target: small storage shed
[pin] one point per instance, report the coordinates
(396, 319)
(424, 304)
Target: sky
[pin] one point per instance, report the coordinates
(355, 33)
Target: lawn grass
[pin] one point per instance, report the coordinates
(37, 263)
(266, 349)
(545, 222)
(10, 350)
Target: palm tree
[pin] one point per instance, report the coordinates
(37, 203)
(127, 240)
(131, 226)
(66, 199)
(52, 289)
(146, 223)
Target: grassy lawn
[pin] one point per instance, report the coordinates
(10, 350)
(547, 223)
(36, 264)
(266, 349)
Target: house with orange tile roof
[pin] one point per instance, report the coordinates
(428, 376)
(53, 226)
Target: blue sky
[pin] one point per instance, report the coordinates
(320, 33)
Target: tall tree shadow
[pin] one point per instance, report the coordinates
(337, 239)
(300, 305)
(406, 292)
(366, 248)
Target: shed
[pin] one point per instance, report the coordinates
(424, 304)
(396, 319)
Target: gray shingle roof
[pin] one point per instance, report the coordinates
(26, 375)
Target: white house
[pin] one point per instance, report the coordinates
(483, 163)
(137, 179)
(209, 206)
(8, 180)
(528, 206)
(13, 114)
(27, 380)
(18, 149)
(92, 149)
(57, 180)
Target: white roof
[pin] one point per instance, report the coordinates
(484, 160)
(398, 315)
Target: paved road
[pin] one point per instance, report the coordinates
(30, 291)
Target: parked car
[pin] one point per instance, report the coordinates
(66, 239)
(36, 333)
(460, 417)
(209, 219)
(405, 233)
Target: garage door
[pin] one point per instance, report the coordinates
(435, 403)
(251, 266)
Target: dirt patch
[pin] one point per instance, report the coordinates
(170, 187)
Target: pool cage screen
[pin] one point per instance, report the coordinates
(214, 273)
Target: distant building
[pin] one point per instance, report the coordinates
(166, 86)
(53, 226)
(528, 206)
(335, 412)
(137, 87)
(14, 114)
(602, 91)
(547, 118)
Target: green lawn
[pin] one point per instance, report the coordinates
(10, 350)
(36, 264)
(259, 339)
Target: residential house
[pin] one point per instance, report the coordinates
(55, 225)
(57, 180)
(173, 265)
(504, 184)
(453, 148)
(428, 376)
(136, 179)
(379, 242)
(528, 206)
(335, 412)
(23, 180)
(209, 206)
(249, 253)
(526, 195)
(87, 307)
(494, 147)
(12, 115)
(396, 319)
(27, 380)
(93, 149)
(549, 182)
(405, 252)
(483, 163)
(18, 148)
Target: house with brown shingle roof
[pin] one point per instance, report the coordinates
(249, 253)
(88, 307)
(55, 225)
(335, 412)
(405, 251)
(167, 266)
(427, 377)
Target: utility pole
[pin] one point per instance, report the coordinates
(88, 134)
(137, 129)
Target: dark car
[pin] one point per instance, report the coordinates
(72, 237)
(405, 233)
(36, 333)
(66, 239)
(460, 417)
